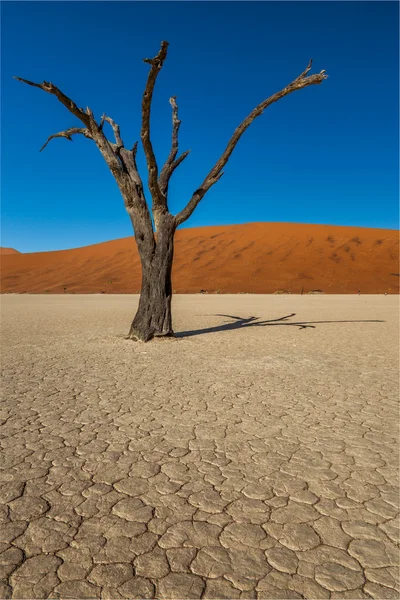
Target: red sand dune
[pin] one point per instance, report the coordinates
(4, 251)
(256, 257)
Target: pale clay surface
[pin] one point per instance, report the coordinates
(255, 462)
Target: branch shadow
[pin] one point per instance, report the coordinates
(240, 323)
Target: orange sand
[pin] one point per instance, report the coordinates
(4, 251)
(256, 257)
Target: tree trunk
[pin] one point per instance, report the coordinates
(153, 317)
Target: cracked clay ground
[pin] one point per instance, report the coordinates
(236, 462)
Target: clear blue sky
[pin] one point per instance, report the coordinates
(326, 154)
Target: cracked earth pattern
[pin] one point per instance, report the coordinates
(259, 462)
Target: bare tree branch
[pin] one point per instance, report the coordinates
(88, 119)
(159, 201)
(304, 73)
(129, 160)
(171, 164)
(115, 128)
(175, 130)
(67, 133)
(126, 157)
(164, 178)
(90, 114)
(129, 156)
(52, 89)
(121, 162)
(94, 131)
(216, 172)
(179, 160)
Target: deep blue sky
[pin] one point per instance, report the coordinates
(326, 154)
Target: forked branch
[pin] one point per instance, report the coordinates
(115, 129)
(216, 172)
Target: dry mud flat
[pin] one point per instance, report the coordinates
(237, 461)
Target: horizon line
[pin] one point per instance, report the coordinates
(209, 227)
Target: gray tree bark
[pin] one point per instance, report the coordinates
(155, 228)
(153, 317)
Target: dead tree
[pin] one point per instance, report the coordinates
(155, 242)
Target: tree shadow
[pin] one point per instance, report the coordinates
(240, 323)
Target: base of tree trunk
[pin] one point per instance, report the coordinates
(153, 318)
(137, 336)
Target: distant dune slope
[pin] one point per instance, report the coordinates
(4, 251)
(256, 257)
